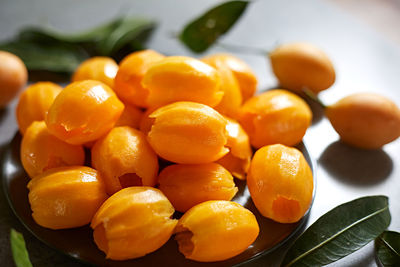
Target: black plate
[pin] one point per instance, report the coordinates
(78, 242)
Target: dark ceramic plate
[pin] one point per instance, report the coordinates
(78, 242)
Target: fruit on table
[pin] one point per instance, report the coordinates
(276, 116)
(232, 98)
(34, 103)
(133, 222)
(244, 75)
(13, 76)
(101, 69)
(125, 159)
(237, 161)
(188, 133)
(66, 197)
(83, 112)
(280, 182)
(181, 78)
(216, 230)
(41, 151)
(302, 65)
(128, 82)
(131, 116)
(187, 185)
(365, 120)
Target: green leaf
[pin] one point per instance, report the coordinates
(49, 57)
(201, 33)
(387, 248)
(130, 30)
(340, 232)
(18, 249)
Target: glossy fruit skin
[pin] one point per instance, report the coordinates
(245, 77)
(237, 161)
(124, 158)
(302, 65)
(101, 69)
(41, 151)
(216, 230)
(13, 76)
(276, 116)
(128, 81)
(83, 112)
(188, 133)
(280, 182)
(34, 103)
(181, 78)
(187, 185)
(66, 197)
(365, 120)
(133, 222)
(232, 98)
(131, 116)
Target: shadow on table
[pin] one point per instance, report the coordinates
(356, 166)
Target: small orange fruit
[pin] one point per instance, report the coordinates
(41, 151)
(187, 185)
(276, 116)
(66, 197)
(131, 116)
(302, 65)
(280, 182)
(101, 69)
(181, 78)
(83, 112)
(188, 133)
(133, 222)
(128, 82)
(34, 103)
(216, 230)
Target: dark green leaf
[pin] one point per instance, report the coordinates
(18, 249)
(49, 57)
(340, 232)
(201, 33)
(130, 30)
(387, 247)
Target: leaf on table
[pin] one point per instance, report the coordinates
(130, 30)
(387, 248)
(202, 32)
(18, 249)
(340, 232)
(49, 57)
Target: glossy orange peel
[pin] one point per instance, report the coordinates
(101, 69)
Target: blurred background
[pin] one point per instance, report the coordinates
(361, 37)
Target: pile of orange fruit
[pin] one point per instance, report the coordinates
(199, 116)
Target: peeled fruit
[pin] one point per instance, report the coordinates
(187, 185)
(34, 103)
(237, 161)
(232, 99)
(275, 117)
(41, 151)
(125, 159)
(13, 76)
(280, 182)
(133, 222)
(188, 133)
(66, 197)
(101, 69)
(244, 75)
(365, 120)
(302, 65)
(181, 78)
(83, 112)
(128, 82)
(216, 230)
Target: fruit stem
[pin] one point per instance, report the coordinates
(311, 95)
